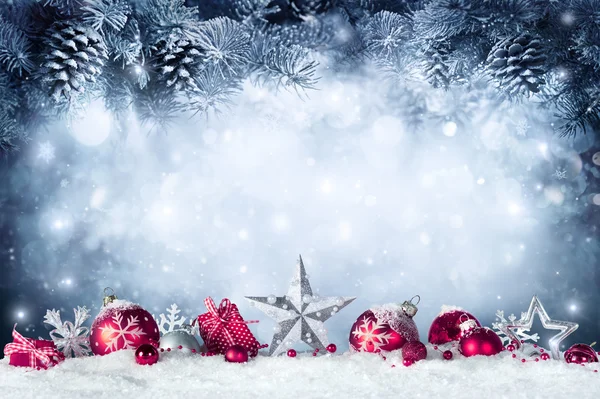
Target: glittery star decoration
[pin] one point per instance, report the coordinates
(526, 321)
(300, 314)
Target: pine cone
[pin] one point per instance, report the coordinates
(178, 62)
(76, 56)
(435, 65)
(518, 64)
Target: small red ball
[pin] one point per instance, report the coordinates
(545, 356)
(447, 355)
(331, 348)
(407, 362)
(236, 354)
(414, 351)
(480, 341)
(291, 353)
(146, 354)
(537, 359)
(523, 360)
(514, 356)
(511, 348)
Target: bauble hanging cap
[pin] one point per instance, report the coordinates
(409, 308)
(109, 296)
(467, 325)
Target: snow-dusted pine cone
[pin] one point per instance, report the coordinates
(75, 56)
(176, 63)
(435, 67)
(518, 64)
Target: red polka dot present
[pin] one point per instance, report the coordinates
(222, 327)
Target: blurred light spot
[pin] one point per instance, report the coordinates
(20, 314)
(543, 147)
(480, 181)
(167, 211)
(424, 238)
(243, 234)
(310, 161)
(98, 198)
(243, 269)
(514, 209)
(371, 200)
(573, 308)
(326, 186)
(345, 230)
(449, 129)
(499, 297)
(596, 199)
(280, 222)
(58, 224)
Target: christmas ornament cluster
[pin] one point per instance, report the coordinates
(300, 314)
(164, 57)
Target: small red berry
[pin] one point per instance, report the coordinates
(291, 353)
(331, 348)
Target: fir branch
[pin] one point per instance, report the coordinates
(225, 43)
(106, 14)
(157, 107)
(386, 32)
(15, 49)
(214, 90)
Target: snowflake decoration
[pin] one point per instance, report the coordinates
(64, 183)
(271, 123)
(371, 331)
(127, 333)
(520, 332)
(46, 152)
(71, 339)
(522, 127)
(171, 322)
(560, 174)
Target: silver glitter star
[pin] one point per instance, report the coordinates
(300, 314)
(526, 321)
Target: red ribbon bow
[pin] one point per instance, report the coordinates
(26, 345)
(218, 317)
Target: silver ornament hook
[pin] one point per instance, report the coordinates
(418, 299)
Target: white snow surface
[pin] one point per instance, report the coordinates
(348, 375)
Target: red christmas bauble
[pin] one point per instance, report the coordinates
(146, 354)
(236, 354)
(414, 351)
(446, 326)
(384, 328)
(480, 341)
(331, 348)
(447, 355)
(291, 353)
(580, 353)
(122, 325)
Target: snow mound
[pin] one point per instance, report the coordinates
(449, 308)
(348, 375)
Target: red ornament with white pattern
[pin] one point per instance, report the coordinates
(385, 328)
(122, 325)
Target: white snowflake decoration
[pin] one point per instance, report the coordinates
(171, 322)
(128, 332)
(520, 332)
(560, 174)
(521, 127)
(71, 339)
(372, 331)
(64, 183)
(46, 152)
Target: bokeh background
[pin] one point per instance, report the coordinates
(481, 212)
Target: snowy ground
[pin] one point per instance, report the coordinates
(339, 376)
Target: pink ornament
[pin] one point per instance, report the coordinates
(414, 351)
(383, 328)
(580, 353)
(446, 326)
(236, 354)
(122, 325)
(146, 355)
(407, 362)
(544, 356)
(478, 340)
(331, 348)
(447, 355)
(291, 353)
(510, 348)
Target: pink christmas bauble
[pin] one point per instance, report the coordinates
(414, 351)
(236, 354)
(480, 341)
(146, 355)
(382, 328)
(446, 326)
(122, 325)
(580, 353)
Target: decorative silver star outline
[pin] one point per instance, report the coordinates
(526, 321)
(300, 314)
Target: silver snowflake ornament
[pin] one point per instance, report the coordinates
(46, 152)
(526, 321)
(173, 321)
(522, 333)
(560, 174)
(300, 315)
(71, 339)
